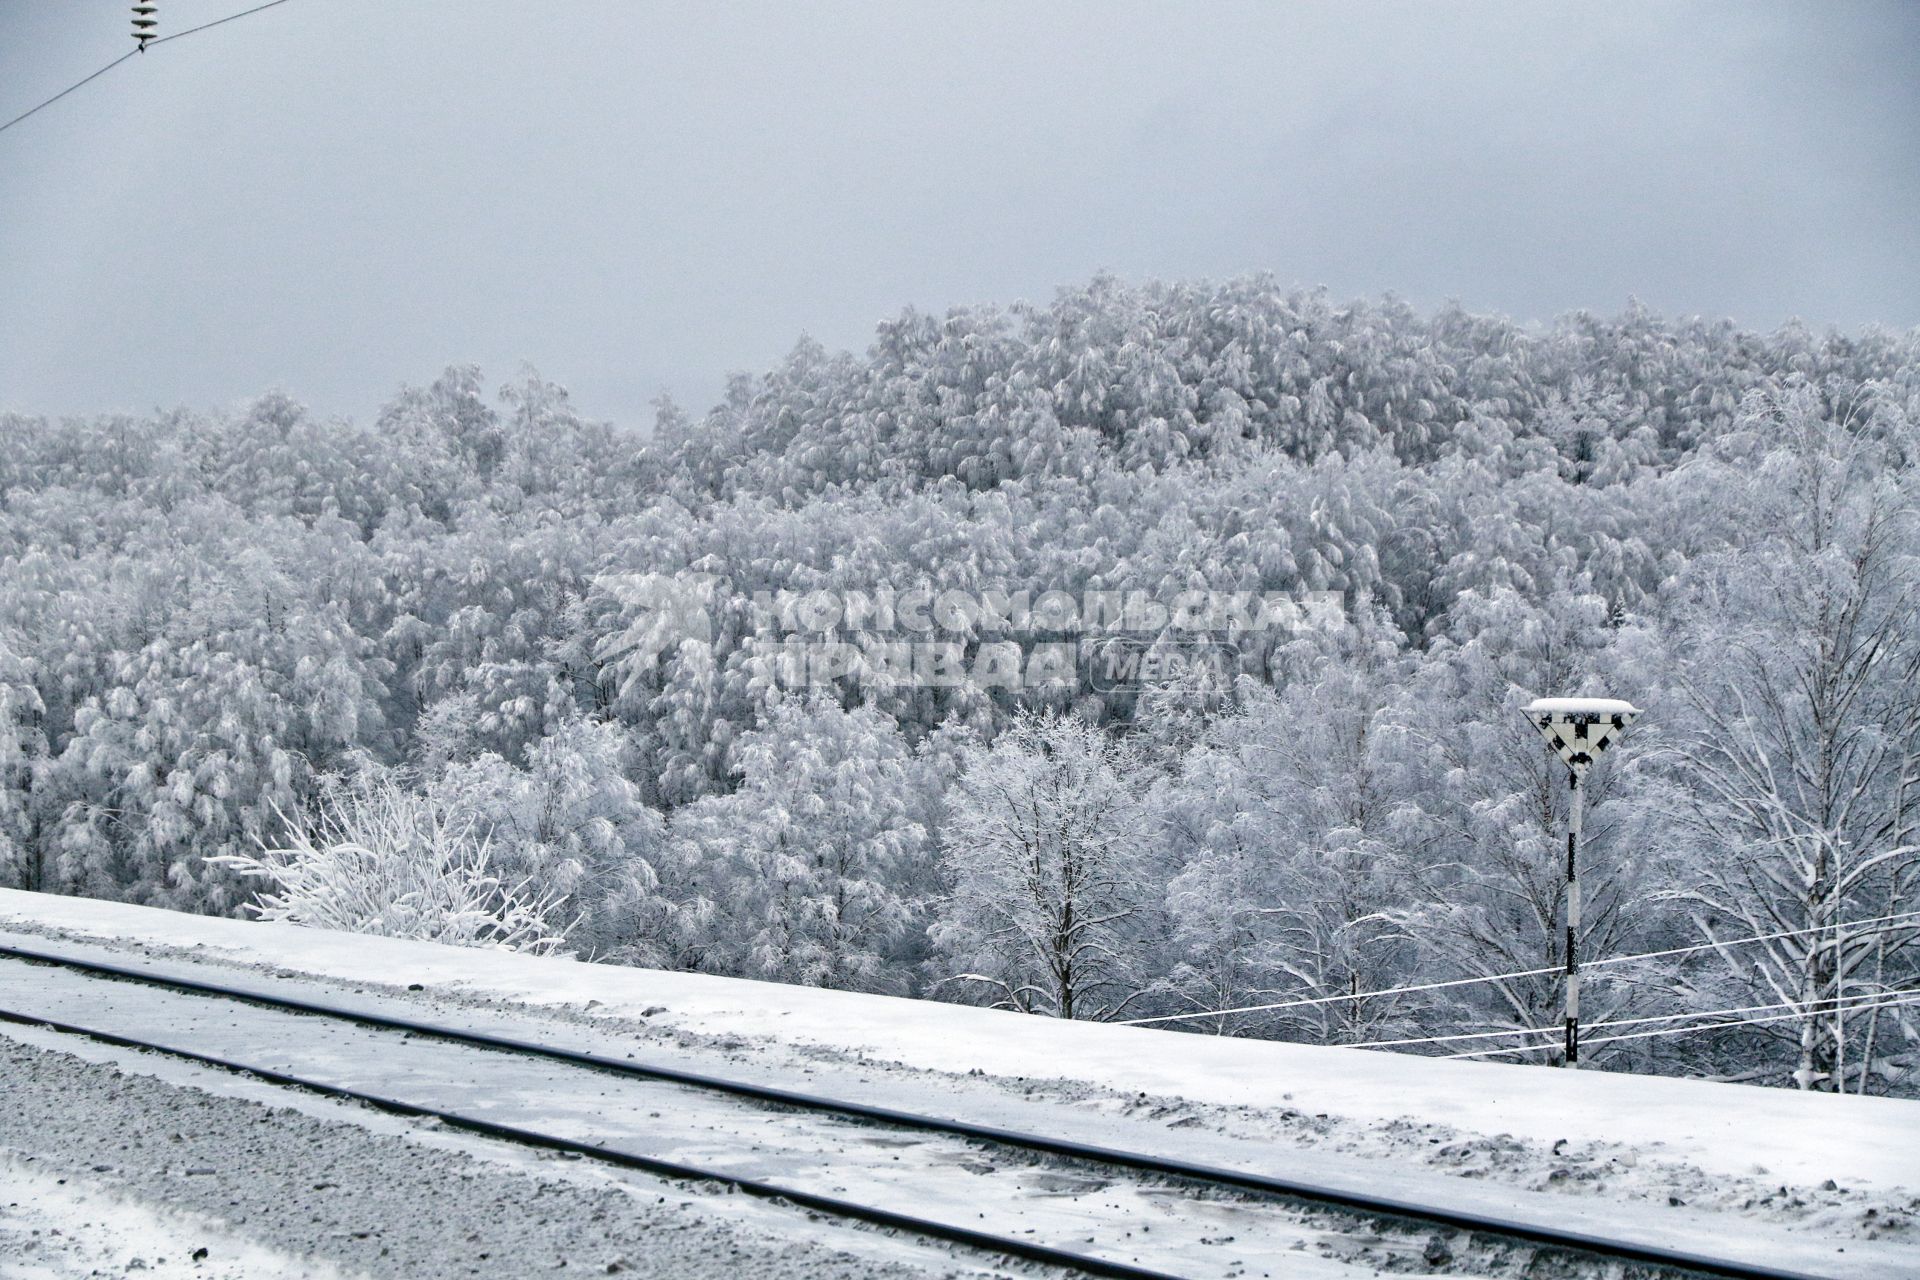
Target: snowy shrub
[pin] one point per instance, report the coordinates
(379, 859)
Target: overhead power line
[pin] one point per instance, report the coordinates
(1864, 1002)
(1883, 1000)
(1335, 999)
(1832, 1004)
(1911, 916)
(232, 17)
(69, 89)
(178, 35)
(1718, 944)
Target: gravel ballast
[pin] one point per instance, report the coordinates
(354, 1200)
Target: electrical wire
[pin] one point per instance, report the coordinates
(232, 17)
(1877, 1000)
(1758, 937)
(1886, 1000)
(1447, 1039)
(1836, 1004)
(69, 89)
(1518, 973)
(1357, 995)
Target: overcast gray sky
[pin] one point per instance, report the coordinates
(338, 196)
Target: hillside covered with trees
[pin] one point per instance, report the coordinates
(487, 669)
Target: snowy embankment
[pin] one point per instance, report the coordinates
(1688, 1162)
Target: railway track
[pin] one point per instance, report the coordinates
(1582, 1250)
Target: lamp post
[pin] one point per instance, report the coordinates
(1578, 730)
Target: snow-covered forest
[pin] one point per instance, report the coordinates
(487, 669)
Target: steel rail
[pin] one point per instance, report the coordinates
(985, 1241)
(1265, 1184)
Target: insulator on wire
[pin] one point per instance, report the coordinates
(145, 25)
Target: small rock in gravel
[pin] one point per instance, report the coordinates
(1437, 1253)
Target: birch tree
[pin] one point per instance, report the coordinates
(1046, 845)
(1797, 773)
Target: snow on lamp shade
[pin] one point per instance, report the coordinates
(1580, 728)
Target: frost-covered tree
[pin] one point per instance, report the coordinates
(1798, 768)
(1047, 847)
(814, 865)
(1279, 823)
(245, 689)
(571, 821)
(22, 754)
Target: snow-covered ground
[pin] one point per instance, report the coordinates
(1805, 1180)
(122, 1163)
(53, 1225)
(1142, 1221)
